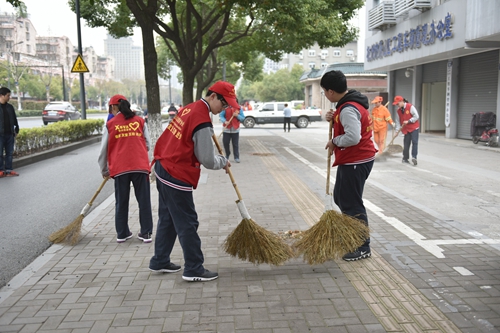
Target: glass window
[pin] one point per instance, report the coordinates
(281, 106)
(312, 64)
(268, 107)
(336, 53)
(349, 53)
(312, 53)
(324, 53)
(324, 64)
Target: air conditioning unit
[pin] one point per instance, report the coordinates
(402, 7)
(301, 57)
(382, 16)
(323, 57)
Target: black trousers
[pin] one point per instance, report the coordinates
(410, 138)
(177, 218)
(235, 139)
(348, 191)
(142, 194)
(287, 120)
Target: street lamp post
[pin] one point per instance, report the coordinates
(9, 53)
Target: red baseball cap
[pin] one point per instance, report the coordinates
(397, 99)
(115, 100)
(226, 89)
(377, 99)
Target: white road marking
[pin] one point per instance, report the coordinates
(426, 171)
(463, 271)
(431, 246)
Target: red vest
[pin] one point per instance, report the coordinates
(127, 151)
(175, 147)
(365, 150)
(235, 123)
(405, 114)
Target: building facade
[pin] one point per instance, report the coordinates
(370, 83)
(443, 56)
(314, 58)
(129, 63)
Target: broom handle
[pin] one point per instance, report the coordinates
(234, 113)
(394, 136)
(329, 159)
(228, 169)
(98, 191)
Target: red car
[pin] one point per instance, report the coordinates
(58, 111)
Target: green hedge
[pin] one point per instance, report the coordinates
(32, 140)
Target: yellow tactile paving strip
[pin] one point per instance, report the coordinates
(397, 304)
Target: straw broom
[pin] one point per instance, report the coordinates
(251, 242)
(70, 234)
(335, 234)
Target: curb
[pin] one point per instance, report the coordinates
(37, 157)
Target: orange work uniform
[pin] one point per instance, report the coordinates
(380, 116)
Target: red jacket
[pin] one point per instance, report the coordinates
(235, 123)
(405, 114)
(127, 151)
(365, 150)
(175, 147)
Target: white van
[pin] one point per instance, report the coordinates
(272, 113)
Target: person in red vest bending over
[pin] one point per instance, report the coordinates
(231, 118)
(124, 157)
(353, 147)
(410, 125)
(179, 153)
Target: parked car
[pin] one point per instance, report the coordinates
(272, 113)
(58, 111)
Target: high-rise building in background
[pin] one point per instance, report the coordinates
(128, 58)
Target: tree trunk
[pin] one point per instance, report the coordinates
(150, 72)
(187, 88)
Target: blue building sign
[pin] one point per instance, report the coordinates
(425, 34)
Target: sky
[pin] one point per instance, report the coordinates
(54, 18)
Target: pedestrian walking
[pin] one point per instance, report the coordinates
(410, 127)
(287, 114)
(124, 157)
(231, 119)
(9, 128)
(180, 152)
(380, 117)
(354, 150)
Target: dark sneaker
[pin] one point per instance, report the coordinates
(146, 238)
(406, 161)
(122, 240)
(11, 174)
(168, 268)
(414, 161)
(357, 255)
(206, 276)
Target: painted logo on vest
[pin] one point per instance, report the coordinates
(127, 130)
(185, 112)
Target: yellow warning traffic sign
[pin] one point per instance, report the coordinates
(79, 65)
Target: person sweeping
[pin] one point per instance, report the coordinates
(353, 148)
(380, 117)
(124, 157)
(179, 153)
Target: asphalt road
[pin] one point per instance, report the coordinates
(45, 197)
(30, 122)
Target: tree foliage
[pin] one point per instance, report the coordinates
(283, 85)
(193, 29)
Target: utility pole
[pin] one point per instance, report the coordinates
(82, 82)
